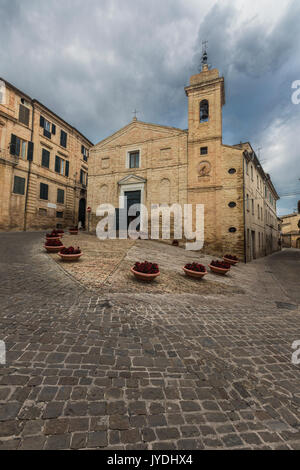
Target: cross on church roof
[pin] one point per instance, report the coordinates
(204, 52)
(135, 112)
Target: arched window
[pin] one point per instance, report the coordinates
(204, 111)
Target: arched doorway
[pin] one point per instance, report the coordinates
(298, 243)
(82, 212)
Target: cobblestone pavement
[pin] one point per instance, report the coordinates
(144, 371)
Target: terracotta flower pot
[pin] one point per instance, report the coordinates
(143, 276)
(73, 232)
(70, 257)
(52, 238)
(230, 261)
(53, 249)
(196, 274)
(218, 270)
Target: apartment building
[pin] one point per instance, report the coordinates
(262, 227)
(43, 165)
(291, 229)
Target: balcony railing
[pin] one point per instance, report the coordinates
(6, 156)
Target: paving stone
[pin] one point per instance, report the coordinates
(232, 440)
(56, 426)
(157, 420)
(76, 409)
(115, 408)
(117, 422)
(130, 436)
(148, 435)
(167, 433)
(53, 410)
(97, 439)
(251, 438)
(58, 442)
(33, 443)
(78, 441)
(9, 411)
(138, 407)
(153, 393)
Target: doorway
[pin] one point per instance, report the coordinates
(82, 212)
(133, 197)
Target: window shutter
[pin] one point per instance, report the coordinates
(18, 145)
(44, 191)
(13, 142)
(19, 185)
(42, 121)
(53, 129)
(45, 158)
(30, 151)
(63, 139)
(57, 164)
(67, 168)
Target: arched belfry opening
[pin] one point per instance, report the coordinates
(204, 111)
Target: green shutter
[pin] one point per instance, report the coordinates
(30, 151)
(19, 185)
(44, 191)
(57, 164)
(45, 158)
(13, 142)
(67, 168)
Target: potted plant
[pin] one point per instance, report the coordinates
(70, 253)
(195, 270)
(60, 232)
(219, 267)
(230, 259)
(54, 235)
(73, 230)
(145, 271)
(53, 246)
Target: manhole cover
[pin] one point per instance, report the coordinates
(286, 306)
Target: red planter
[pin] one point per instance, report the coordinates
(144, 277)
(53, 249)
(216, 270)
(70, 257)
(230, 261)
(52, 238)
(73, 232)
(196, 274)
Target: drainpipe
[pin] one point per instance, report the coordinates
(28, 176)
(244, 215)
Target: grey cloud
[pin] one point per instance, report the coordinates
(93, 62)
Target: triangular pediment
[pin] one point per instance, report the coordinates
(132, 179)
(135, 132)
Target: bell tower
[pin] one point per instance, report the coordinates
(206, 97)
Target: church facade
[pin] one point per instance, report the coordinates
(154, 164)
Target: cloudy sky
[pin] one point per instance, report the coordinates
(94, 61)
